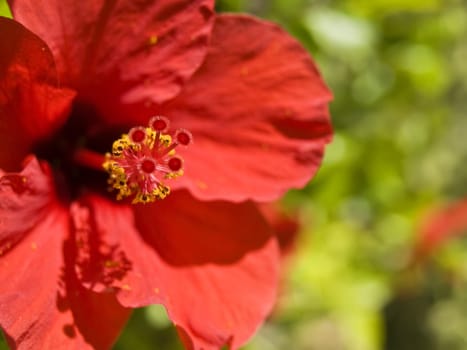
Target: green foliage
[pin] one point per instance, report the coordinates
(4, 9)
(3, 345)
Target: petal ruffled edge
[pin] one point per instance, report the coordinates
(132, 55)
(258, 112)
(25, 198)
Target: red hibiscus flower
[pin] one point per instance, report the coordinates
(75, 76)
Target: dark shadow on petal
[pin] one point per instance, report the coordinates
(98, 263)
(69, 331)
(309, 130)
(98, 317)
(186, 231)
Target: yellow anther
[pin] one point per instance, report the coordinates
(166, 140)
(120, 145)
(174, 175)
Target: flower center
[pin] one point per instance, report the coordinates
(143, 159)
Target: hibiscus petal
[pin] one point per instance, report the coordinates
(122, 51)
(31, 104)
(216, 278)
(218, 267)
(257, 109)
(25, 197)
(42, 306)
(110, 253)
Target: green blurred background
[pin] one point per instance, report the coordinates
(398, 70)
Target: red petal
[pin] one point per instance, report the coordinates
(218, 268)
(258, 112)
(42, 306)
(25, 197)
(110, 253)
(122, 51)
(217, 280)
(440, 226)
(31, 104)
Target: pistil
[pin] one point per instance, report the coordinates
(143, 159)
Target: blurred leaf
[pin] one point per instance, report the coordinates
(382, 7)
(340, 33)
(4, 9)
(3, 344)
